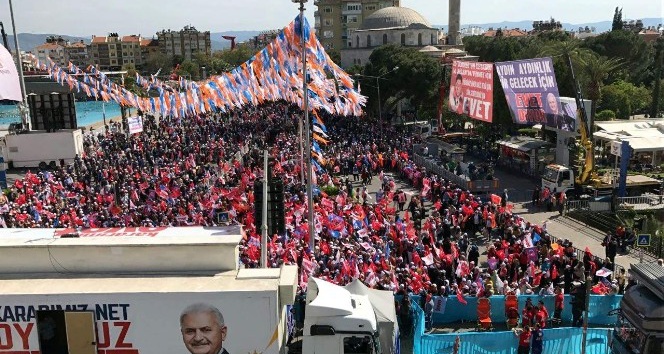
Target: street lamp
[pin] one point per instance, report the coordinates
(307, 131)
(380, 110)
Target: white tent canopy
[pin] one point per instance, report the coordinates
(383, 305)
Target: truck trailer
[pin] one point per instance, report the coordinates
(138, 291)
(42, 149)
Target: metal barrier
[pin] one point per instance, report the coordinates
(573, 205)
(433, 166)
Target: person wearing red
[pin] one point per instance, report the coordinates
(527, 314)
(559, 304)
(542, 314)
(524, 340)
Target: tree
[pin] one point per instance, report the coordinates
(560, 52)
(630, 48)
(189, 69)
(605, 115)
(617, 24)
(334, 55)
(418, 78)
(659, 70)
(625, 99)
(156, 61)
(596, 69)
(237, 56)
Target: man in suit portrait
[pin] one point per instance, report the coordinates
(456, 95)
(203, 329)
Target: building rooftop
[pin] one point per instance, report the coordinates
(98, 39)
(506, 32)
(48, 46)
(394, 17)
(132, 38)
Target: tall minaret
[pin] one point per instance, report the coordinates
(454, 22)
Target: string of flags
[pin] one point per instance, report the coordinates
(274, 73)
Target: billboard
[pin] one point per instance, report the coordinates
(471, 89)
(531, 91)
(239, 322)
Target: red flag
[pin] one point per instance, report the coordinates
(460, 297)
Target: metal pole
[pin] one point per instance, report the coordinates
(307, 141)
(589, 280)
(300, 133)
(19, 61)
(264, 226)
(380, 110)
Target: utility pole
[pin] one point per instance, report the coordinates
(264, 221)
(307, 133)
(19, 61)
(588, 284)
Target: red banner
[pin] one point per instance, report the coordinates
(471, 89)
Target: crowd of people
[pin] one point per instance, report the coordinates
(185, 171)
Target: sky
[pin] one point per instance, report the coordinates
(146, 17)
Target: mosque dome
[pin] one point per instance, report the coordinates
(394, 17)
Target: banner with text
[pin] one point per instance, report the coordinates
(141, 323)
(471, 89)
(528, 84)
(135, 124)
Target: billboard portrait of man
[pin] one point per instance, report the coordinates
(456, 95)
(556, 117)
(203, 329)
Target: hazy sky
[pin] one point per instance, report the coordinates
(145, 17)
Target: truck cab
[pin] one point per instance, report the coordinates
(640, 327)
(558, 178)
(338, 322)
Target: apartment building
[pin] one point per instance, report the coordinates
(77, 54)
(54, 48)
(184, 43)
(336, 19)
(105, 52)
(131, 51)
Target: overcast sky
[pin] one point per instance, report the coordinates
(145, 17)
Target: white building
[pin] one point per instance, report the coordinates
(390, 25)
(51, 50)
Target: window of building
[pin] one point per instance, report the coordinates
(432, 40)
(328, 34)
(368, 40)
(354, 7)
(114, 61)
(357, 41)
(403, 39)
(385, 38)
(327, 10)
(370, 8)
(419, 39)
(328, 22)
(351, 19)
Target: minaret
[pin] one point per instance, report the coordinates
(454, 22)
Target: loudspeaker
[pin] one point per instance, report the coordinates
(52, 112)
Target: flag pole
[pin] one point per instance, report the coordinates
(19, 61)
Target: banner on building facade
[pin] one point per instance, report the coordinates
(532, 95)
(471, 89)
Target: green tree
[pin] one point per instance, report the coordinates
(630, 48)
(625, 99)
(189, 69)
(560, 52)
(237, 56)
(418, 78)
(605, 115)
(657, 85)
(334, 55)
(596, 69)
(156, 61)
(617, 24)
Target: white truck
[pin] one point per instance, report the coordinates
(559, 178)
(138, 291)
(351, 319)
(42, 149)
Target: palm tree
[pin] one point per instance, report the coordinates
(595, 69)
(569, 48)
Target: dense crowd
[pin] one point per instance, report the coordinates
(185, 171)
